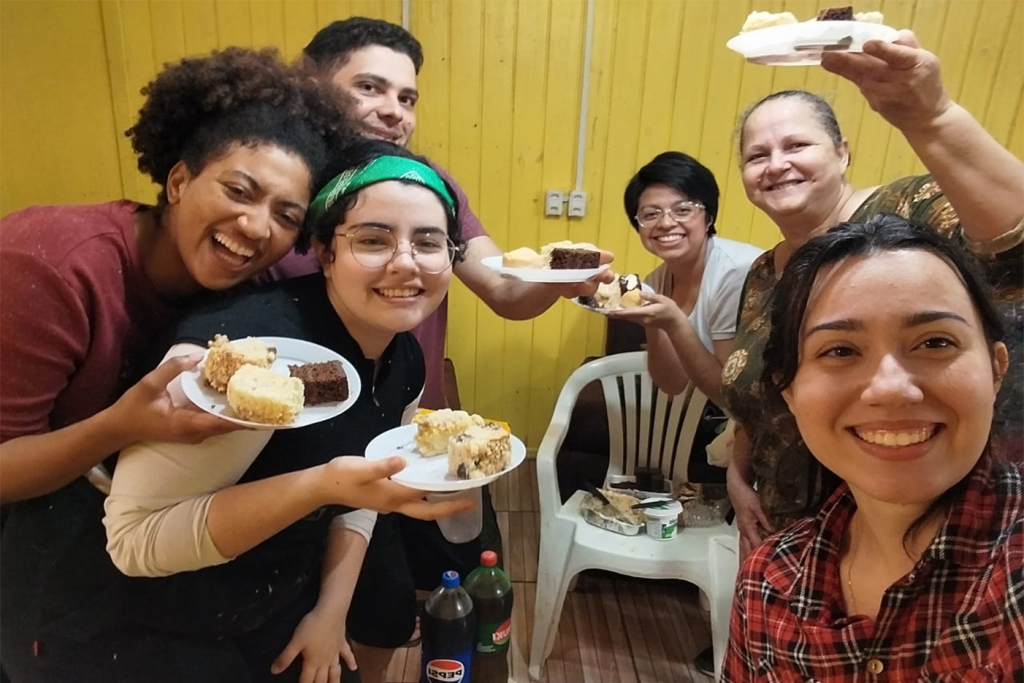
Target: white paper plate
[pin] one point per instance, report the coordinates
(431, 474)
(543, 274)
(289, 352)
(803, 43)
(644, 287)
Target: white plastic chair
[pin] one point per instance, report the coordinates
(647, 428)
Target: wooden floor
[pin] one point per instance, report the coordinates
(614, 629)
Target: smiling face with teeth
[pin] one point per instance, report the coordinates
(382, 82)
(236, 217)
(667, 239)
(791, 168)
(377, 303)
(896, 382)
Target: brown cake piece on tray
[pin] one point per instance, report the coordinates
(323, 382)
(836, 14)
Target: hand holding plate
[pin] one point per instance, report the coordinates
(901, 80)
(658, 311)
(155, 409)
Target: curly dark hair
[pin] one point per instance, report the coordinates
(357, 154)
(682, 173)
(198, 108)
(331, 46)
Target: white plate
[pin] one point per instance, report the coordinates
(543, 274)
(431, 474)
(289, 352)
(644, 287)
(803, 43)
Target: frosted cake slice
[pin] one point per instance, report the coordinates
(261, 395)
(225, 357)
(433, 430)
(480, 451)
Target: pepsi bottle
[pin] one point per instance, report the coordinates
(491, 592)
(448, 630)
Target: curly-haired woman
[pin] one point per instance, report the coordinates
(238, 141)
(235, 141)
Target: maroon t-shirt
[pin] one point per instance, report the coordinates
(76, 314)
(431, 332)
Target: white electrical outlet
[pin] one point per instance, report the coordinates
(577, 204)
(554, 202)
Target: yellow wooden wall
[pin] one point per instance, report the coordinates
(501, 95)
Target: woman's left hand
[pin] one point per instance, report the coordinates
(900, 80)
(321, 641)
(658, 311)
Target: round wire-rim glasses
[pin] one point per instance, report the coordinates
(680, 213)
(373, 247)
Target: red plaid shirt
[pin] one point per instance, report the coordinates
(957, 616)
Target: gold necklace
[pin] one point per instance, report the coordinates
(852, 607)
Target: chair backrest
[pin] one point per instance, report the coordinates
(646, 426)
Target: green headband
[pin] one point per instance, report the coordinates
(375, 171)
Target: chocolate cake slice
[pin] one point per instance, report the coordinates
(572, 259)
(323, 382)
(836, 14)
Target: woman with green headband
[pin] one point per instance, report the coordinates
(239, 555)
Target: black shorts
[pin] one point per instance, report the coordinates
(406, 555)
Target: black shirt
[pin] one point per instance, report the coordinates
(75, 585)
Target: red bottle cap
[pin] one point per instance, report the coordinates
(488, 558)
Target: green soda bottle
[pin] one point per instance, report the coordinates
(491, 591)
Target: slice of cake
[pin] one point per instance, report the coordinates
(630, 288)
(433, 430)
(758, 20)
(608, 296)
(568, 255)
(261, 395)
(323, 382)
(480, 451)
(622, 292)
(869, 17)
(523, 257)
(225, 357)
(836, 14)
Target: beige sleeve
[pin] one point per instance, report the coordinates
(159, 498)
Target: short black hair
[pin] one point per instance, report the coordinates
(331, 47)
(682, 173)
(197, 109)
(356, 154)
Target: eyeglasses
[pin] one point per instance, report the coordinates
(376, 247)
(682, 212)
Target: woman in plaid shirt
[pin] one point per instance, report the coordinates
(887, 349)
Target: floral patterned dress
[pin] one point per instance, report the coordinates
(790, 482)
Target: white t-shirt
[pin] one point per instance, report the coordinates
(718, 302)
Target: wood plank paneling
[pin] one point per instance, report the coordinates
(499, 108)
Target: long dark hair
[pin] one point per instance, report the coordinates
(883, 233)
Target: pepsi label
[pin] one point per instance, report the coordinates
(445, 671)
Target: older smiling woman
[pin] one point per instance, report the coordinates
(793, 162)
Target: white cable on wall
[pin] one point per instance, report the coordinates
(581, 141)
(405, 14)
